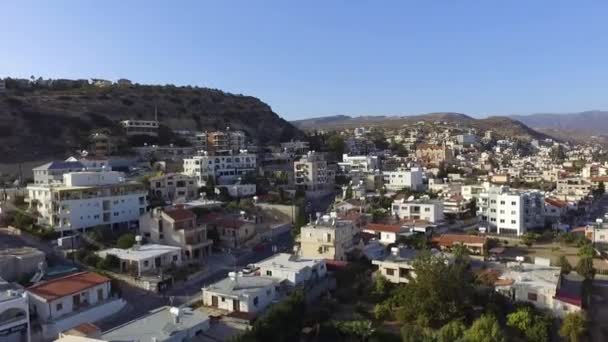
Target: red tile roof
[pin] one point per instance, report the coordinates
(556, 202)
(68, 285)
(448, 240)
(87, 329)
(180, 214)
(392, 228)
(599, 179)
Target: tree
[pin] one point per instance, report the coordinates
(415, 333)
(600, 190)
(574, 327)
(529, 239)
(586, 250)
(535, 328)
(485, 329)
(382, 286)
(336, 145)
(126, 241)
(564, 264)
(557, 153)
(348, 194)
(584, 267)
(453, 331)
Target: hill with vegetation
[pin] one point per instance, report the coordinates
(51, 118)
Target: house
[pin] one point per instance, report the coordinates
(14, 313)
(140, 127)
(52, 172)
(542, 286)
(238, 293)
(455, 205)
(476, 245)
(226, 167)
(89, 199)
(164, 324)
(292, 269)
(434, 155)
(238, 190)
(233, 231)
(403, 179)
(145, 259)
(16, 263)
(418, 209)
(397, 266)
(63, 303)
(386, 233)
(351, 206)
(328, 238)
(177, 227)
(174, 186)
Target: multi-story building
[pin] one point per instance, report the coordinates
(14, 313)
(312, 173)
(506, 211)
(174, 186)
(403, 179)
(101, 144)
(359, 164)
(219, 168)
(63, 303)
(455, 205)
(89, 199)
(298, 147)
(434, 155)
(419, 209)
(573, 188)
(218, 141)
(177, 227)
(52, 172)
(327, 238)
(140, 127)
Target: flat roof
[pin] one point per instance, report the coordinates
(531, 274)
(140, 253)
(158, 324)
(288, 262)
(65, 286)
(242, 285)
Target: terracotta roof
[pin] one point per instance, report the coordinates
(599, 179)
(180, 214)
(504, 282)
(67, 285)
(87, 329)
(449, 239)
(556, 202)
(392, 228)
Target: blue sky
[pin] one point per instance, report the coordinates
(316, 58)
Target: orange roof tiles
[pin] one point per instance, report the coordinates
(68, 285)
(449, 239)
(392, 228)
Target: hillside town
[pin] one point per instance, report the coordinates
(373, 233)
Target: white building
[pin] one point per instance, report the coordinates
(292, 268)
(140, 127)
(358, 164)
(14, 313)
(403, 178)
(312, 173)
(503, 210)
(52, 172)
(239, 293)
(88, 199)
(63, 303)
(219, 168)
(145, 259)
(419, 209)
(238, 190)
(165, 324)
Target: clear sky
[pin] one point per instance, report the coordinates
(314, 58)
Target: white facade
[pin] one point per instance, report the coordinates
(239, 190)
(89, 199)
(512, 212)
(358, 164)
(239, 293)
(428, 210)
(231, 166)
(403, 178)
(140, 127)
(147, 258)
(292, 268)
(14, 313)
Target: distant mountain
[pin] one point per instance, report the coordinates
(51, 119)
(594, 122)
(502, 126)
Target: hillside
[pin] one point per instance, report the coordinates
(502, 126)
(594, 122)
(38, 122)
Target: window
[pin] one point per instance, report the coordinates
(255, 301)
(59, 306)
(502, 221)
(532, 296)
(493, 201)
(513, 222)
(513, 203)
(390, 271)
(269, 273)
(502, 211)
(502, 202)
(427, 209)
(146, 263)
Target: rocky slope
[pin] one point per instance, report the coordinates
(38, 122)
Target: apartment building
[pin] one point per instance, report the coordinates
(52, 172)
(174, 186)
(573, 188)
(403, 179)
(418, 209)
(506, 211)
(312, 173)
(218, 141)
(140, 127)
(88, 199)
(297, 147)
(327, 238)
(14, 313)
(177, 227)
(434, 155)
(219, 168)
(359, 164)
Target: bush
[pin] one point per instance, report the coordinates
(91, 260)
(126, 241)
